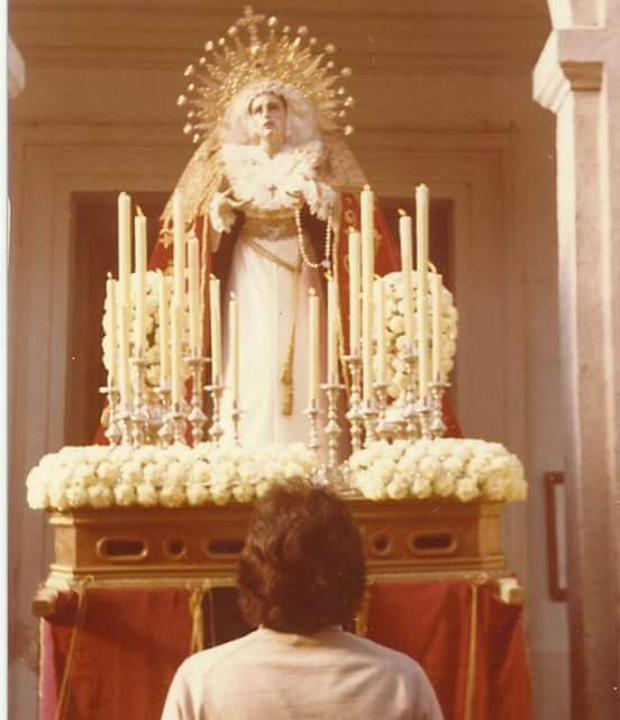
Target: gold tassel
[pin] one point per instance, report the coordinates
(196, 597)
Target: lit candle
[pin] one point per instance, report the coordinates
(406, 250)
(194, 296)
(233, 345)
(314, 361)
(178, 247)
(332, 332)
(176, 383)
(422, 205)
(368, 271)
(216, 330)
(381, 335)
(124, 247)
(164, 343)
(111, 329)
(355, 269)
(140, 297)
(436, 285)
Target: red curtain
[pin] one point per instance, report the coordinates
(471, 644)
(108, 654)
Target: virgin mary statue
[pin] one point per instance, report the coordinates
(270, 192)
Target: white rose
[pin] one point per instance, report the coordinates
(220, 492)
(421, 487)
(243, 492)
(466, 489)
(131, 473)
(397, 489)
(172, 495)
(100, 496)
(146, 495)
(444, 485)
(125, 493)
(197, 494)
(200, 472)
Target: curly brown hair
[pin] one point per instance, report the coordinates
(302, 567)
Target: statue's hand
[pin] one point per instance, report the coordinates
(223, 209)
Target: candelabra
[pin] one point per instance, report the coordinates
(176, 420)
(113, 431)
(354, 414)
(423, 411)
(216, 430)
(196, 416)
(369, 413)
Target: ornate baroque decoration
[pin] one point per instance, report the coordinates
(232, 64)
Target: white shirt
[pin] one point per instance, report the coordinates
(332, 674)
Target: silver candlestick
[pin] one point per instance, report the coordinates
(382, 428)
(236, 417)
(312, 411)
(354, 414)
(197, 417)
(332, 429)
(216, 430)
(166, 431)
(369, 413)
(176, 418)
(423, 409)
(139, 415)
(410, 414)
(112, 431)
(438, 426)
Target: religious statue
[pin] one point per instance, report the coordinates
(271, 192)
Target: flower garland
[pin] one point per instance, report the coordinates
(444, 468)
(100, 476)
(152, 347)
(397, 368)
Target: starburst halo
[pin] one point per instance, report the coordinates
(243, 59)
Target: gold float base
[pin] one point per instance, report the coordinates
(402, 539)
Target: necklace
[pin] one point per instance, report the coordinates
(325, 263)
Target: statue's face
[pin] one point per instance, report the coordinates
(268, 117)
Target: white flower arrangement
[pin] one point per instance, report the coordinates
(457, 468)
(397, 368)
(152, 329)
(101, 476)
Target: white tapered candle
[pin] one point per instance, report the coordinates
(111, 330)
(176, 380)
(140, 284)
(406, 256)
(194, 296)
(368, 271)
(355, 270)
(123, 355)
(216, 330)
(178, 247)
(332, 331)
(422, 207)
(381, 334)
(436, 286)
(314, 361)
(164, 342)
(124, 248)
(233, 345)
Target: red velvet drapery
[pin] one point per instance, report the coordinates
(108, 654)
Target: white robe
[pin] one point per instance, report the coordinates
(269, 296)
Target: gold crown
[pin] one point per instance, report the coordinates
(230, 66)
